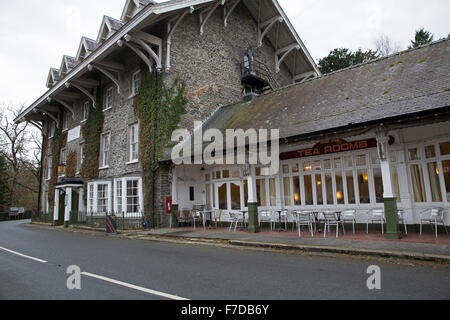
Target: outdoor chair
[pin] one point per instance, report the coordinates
(266, 217)
(305, 219)
(196, 217)
(235, 218)
(217, 217)
(284, 217)
(401, 220)
(332, 219)
(185, 216)
(350, 217)
(434, 217)
(376, 216)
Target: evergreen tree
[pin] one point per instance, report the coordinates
(422, 38)
(342, 58)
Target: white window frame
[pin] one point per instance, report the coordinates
(109, 99)
(85, 111)
(124, 195)
(49, 167)
(105, 164)
(136, 143)
(423, 162)
(93, 187)
(66, 121)
(135, 79)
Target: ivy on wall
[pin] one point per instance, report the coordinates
(159, 108)
(92, 132)
(71, 165)
(59, 141)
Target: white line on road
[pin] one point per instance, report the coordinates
(131, 286)
(22, 255)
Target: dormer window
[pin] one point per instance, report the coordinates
(108, 28)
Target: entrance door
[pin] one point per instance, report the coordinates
(62, 207)
(229, 195)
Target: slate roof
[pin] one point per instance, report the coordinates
(412, 81)
(91, 44)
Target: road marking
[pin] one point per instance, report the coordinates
(22, 255)
(131, 286)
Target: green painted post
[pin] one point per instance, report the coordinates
(174, 222)
(391, 213)
(253, 218)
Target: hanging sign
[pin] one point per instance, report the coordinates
(336, 146)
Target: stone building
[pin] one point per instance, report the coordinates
(219, 48)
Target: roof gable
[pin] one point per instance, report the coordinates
(86, 47)
(52, 78)
(67, 64)
(132, 7)
(108, 27)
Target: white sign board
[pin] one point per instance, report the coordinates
(74, 134)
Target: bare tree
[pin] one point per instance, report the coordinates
(386, 46)
(15, 145)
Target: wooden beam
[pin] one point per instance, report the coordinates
(90, 83)
(210, 12)
(64, 104)
(114, 66)
(83, 90)
(267, 25)
(228, 11)
(170, 30)
(106, 73)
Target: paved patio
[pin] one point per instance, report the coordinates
(411, 246)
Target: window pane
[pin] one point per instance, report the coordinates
(287, 191)
(319, 192)
(446, 167)
(297, 197)
(430, 152)
(445, 148)
(435, 185)
(307, 166)
(208, 196)
(235, 197)
(363, 186)
(226, 174)
(317, 165)
(261, 192)
(285, 169)
(339, 189)
(418, 184)
(327, 164)
(245, 193)
(350, 187)
(337, 163)
(133, 196)
(361, 160)
(378, 181)
(308, 191)
(273, 193)
(329, 189)
(394, 174)
(223, 195)
(348, 162)
(413, 154)
(295, 168)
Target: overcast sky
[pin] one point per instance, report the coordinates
(37, 33)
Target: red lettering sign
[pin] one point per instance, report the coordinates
(169, 205)
(332, 147)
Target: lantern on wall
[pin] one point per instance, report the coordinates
(62, 169)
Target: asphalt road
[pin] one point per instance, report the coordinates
(165, 271)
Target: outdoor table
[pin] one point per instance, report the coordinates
(244, 212)
(204, 214)
(279, 218)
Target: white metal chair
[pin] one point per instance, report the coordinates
(332, 219)
(401, 220)
(235, 218)
(217, 217)
(266, 216)
(349, 216)
(284, 217)
(305, 219)
(434, 217)
(376, 215)
(196, 217)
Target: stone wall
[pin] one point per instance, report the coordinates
(210, 66)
